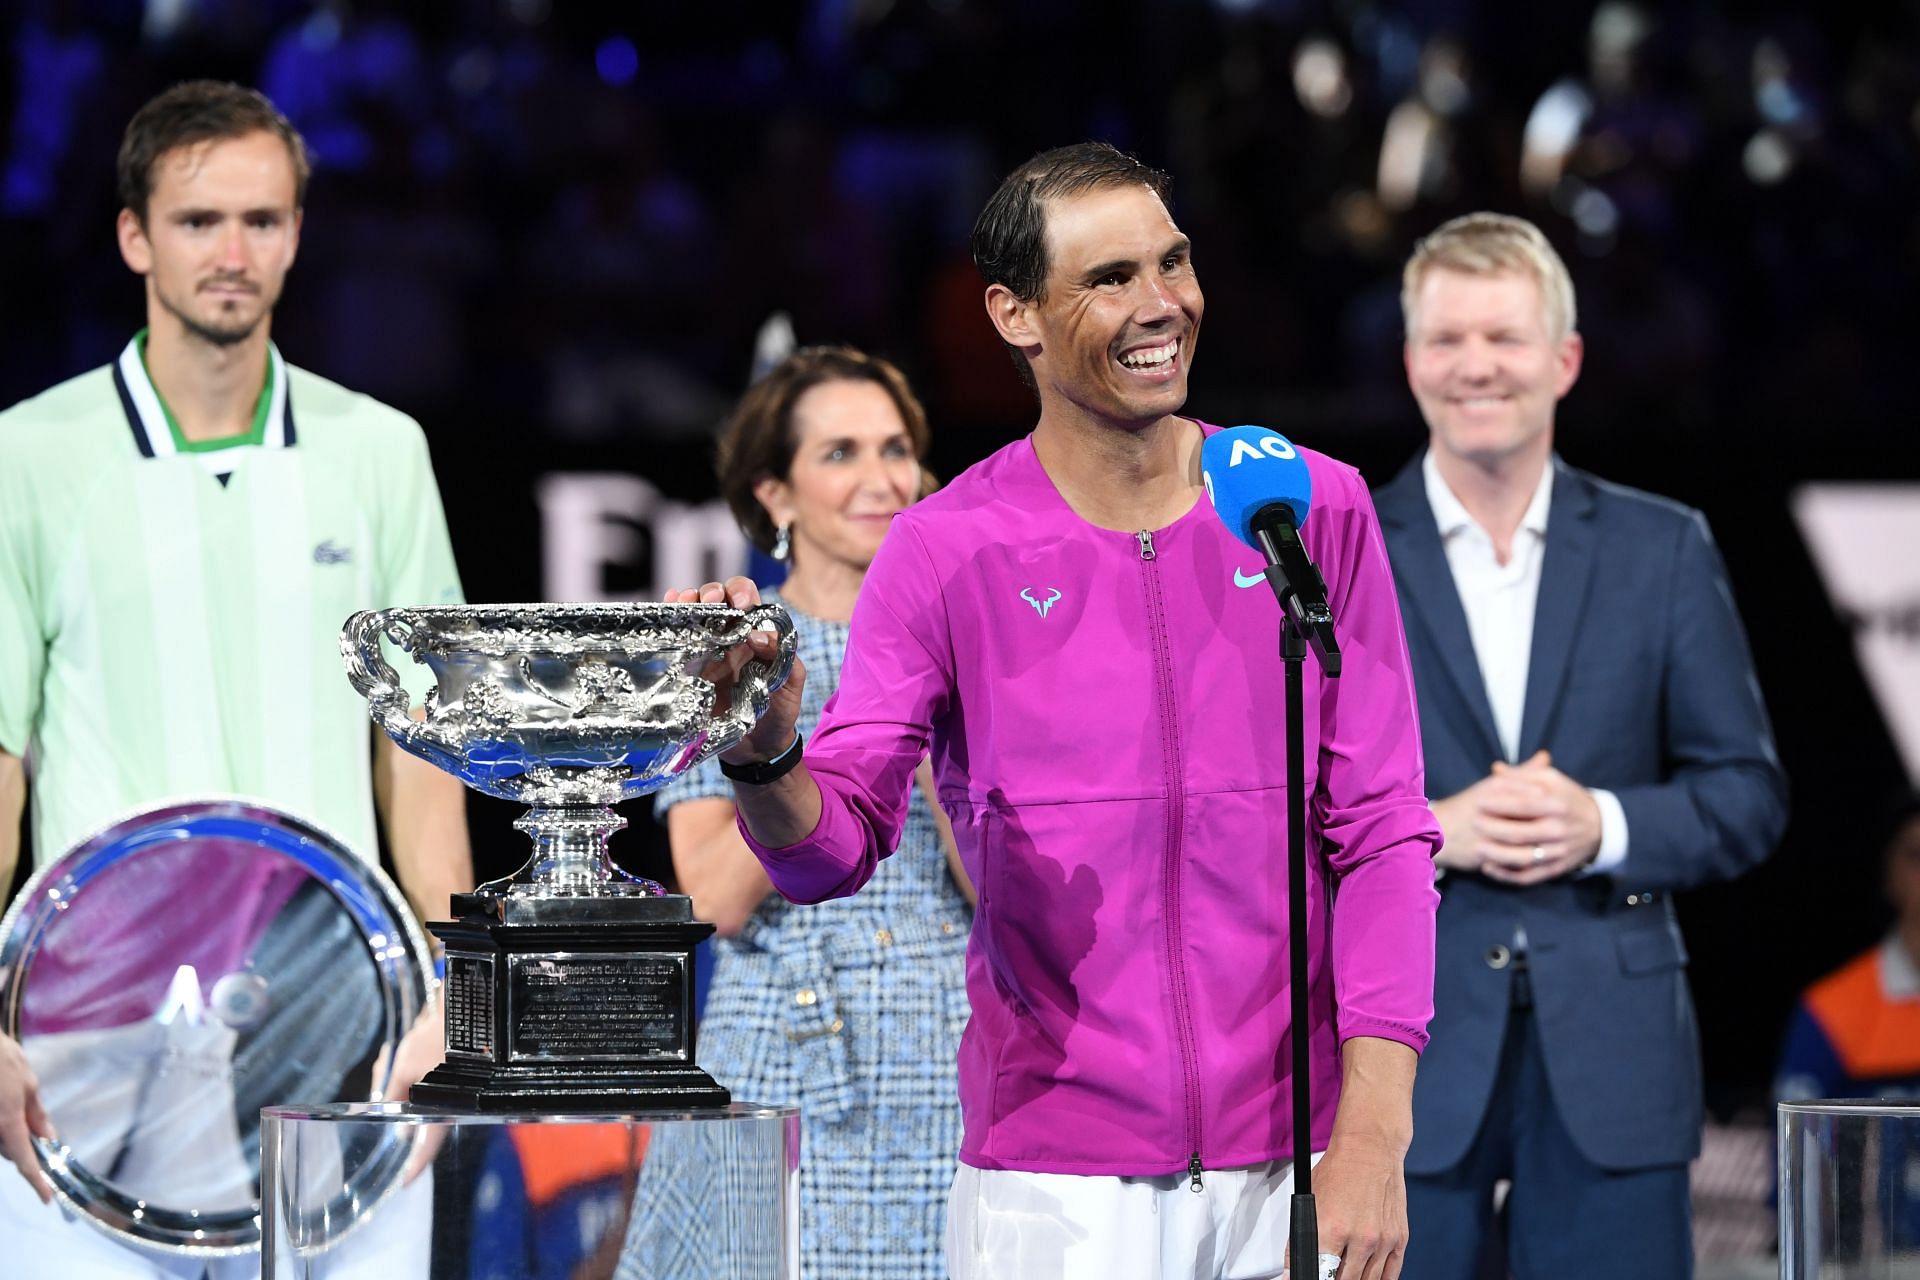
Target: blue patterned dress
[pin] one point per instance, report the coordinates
(853, 1009)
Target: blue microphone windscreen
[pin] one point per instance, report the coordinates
(1248, 468)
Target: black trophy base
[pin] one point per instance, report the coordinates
(570, 1004)
(579, 1088)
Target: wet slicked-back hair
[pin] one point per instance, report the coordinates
(196, 111)
(1010, 237)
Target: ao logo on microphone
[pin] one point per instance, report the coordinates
(1271, 445)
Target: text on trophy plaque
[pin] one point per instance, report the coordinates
(598, 1007)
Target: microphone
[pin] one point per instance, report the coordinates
(1260, 487)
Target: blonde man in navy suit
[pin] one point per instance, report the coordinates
(1595, 741)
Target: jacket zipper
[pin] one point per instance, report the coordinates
(1176, 824)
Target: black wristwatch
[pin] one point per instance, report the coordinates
(761, 772)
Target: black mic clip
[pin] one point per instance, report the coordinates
(1297, 583)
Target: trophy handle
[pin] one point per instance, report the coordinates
(371, 676)
(758, 680)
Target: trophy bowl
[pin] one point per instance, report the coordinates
(564, 704)
(568, 708)
(568, 985)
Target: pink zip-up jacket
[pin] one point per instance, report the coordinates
(1105, 719)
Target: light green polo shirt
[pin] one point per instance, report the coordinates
(170, 612)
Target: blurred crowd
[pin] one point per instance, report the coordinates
(577, 219)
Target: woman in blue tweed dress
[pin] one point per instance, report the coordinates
(852, 1008)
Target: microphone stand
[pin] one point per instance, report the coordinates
(1304, 1223)
(1305, 621)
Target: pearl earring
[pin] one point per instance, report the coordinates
(783, 542)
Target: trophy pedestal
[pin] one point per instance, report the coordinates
(351, 1191)
(570, 1003)
(1848, 1205)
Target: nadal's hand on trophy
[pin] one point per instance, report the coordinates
(775, 731)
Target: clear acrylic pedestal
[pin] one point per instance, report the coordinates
(398, 1192)
(1850, 1190)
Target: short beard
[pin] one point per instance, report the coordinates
(230, 336)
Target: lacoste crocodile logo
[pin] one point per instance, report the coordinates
(1040, 606)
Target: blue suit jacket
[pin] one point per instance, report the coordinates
(1639, 683)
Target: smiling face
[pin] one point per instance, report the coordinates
(853, 468)
(220, 232)
(1485, 366)
(1112, 336)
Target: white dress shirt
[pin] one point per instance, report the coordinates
(1499, 601)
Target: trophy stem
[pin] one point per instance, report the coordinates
(570, 858)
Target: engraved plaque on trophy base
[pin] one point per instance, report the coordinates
(570, 1003)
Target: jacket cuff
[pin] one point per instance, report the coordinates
(1415, 1038)
(808, 870)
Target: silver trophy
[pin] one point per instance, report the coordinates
(570, 984)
